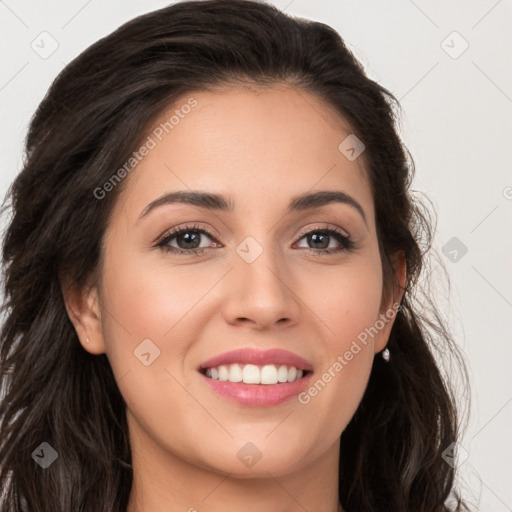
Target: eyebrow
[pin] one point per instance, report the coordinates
(218, 202)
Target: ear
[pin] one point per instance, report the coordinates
(391, 298)
(83, 308)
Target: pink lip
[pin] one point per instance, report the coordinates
(257, 395)
(258, 357)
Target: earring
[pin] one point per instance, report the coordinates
(87, 340)
(386, 355)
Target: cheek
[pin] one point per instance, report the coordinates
(150, 301)
(348, 307)
(350, 301)
(157, 303)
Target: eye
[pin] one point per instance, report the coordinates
(322, 238)
(188, 240)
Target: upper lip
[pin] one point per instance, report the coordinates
(258, 357)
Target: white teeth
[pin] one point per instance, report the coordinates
(235, 373)
(268, 374)
(282, 374)
(292, 374)
(253, 374)
(223, 373)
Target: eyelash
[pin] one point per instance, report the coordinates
(347, 244)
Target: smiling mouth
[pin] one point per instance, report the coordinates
(268, 374)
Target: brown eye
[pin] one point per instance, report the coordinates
(187, 240)
(318, 241)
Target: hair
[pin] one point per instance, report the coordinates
(88, 124)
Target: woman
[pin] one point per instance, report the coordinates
(209, 277)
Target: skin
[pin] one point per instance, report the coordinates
(259, 147)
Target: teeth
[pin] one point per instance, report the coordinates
(268, 374)
(235, 373)
(292, 374)
(253, 374)
(282, 374)
(223, 373)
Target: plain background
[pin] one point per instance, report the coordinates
(457, 123)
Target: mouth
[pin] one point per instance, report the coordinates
(257, 378)
(269, 374)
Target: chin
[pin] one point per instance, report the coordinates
(248, 462)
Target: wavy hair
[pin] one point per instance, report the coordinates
(88, 124)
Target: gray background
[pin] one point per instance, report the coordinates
(457, 123)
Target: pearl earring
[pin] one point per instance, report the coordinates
(386, 355)
(87, 340)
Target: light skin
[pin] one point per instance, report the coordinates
(259, 148)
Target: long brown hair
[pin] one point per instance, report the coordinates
(88, 125)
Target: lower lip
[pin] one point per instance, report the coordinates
(257, 395)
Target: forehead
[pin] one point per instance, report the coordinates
(261, 144)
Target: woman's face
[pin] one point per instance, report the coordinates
(168, 320)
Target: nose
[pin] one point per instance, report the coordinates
(261, 293)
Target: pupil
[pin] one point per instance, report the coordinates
(189, 237)
(315, 240)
